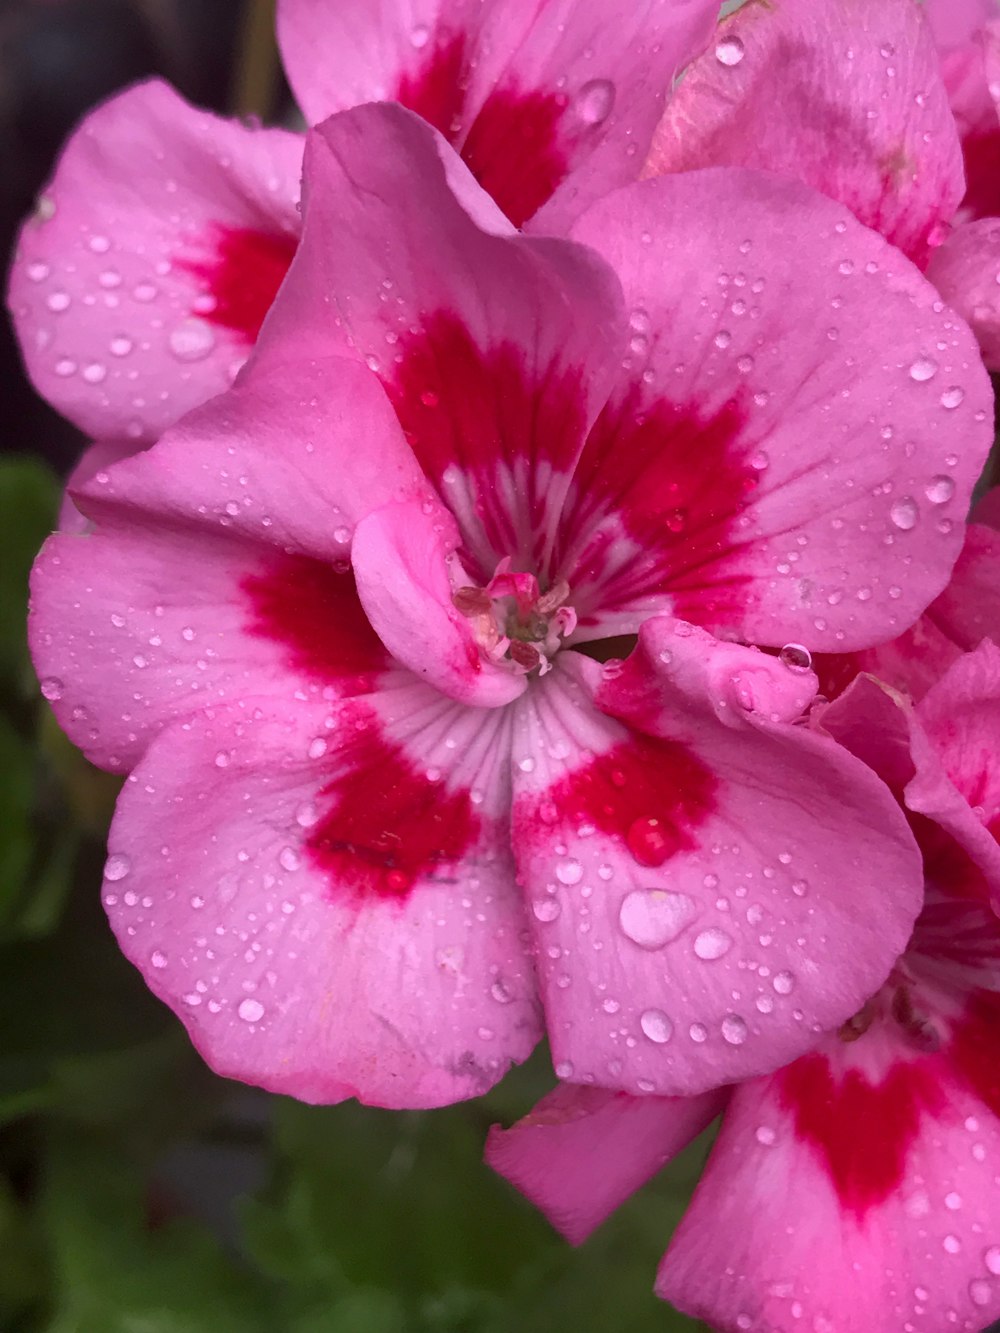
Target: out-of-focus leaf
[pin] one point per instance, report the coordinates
(17, 782)
(22, 1264)
(29, 500)
(114, 1271)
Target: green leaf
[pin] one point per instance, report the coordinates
(29, 501)
(17, 783)
(115, 1271)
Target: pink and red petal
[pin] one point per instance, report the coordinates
(868, 1154)
(496, 351)
(751, 464)
(847, 100)
(140, 284)
(694, 917)
(581, 1152)
(330, 919)
(549, 105)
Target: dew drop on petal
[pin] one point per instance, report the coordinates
(712, 944)
(116, 867)
(980, 1291)
(191, 340)
(594, 101)
(656, 1025)
(940, 490)
(904, 513)
(569, 872)
(992, 1260)
(51, 688)
(952, 397)
(730, 51)
(288, 859)
(251, 1011)
(923, 369)
(652, 918)
(734, 1030)
(546, 909)
(796, 657)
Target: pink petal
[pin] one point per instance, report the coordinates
(791, 430)
(400, 562)
(496, 351)
(330, 922)
(966, 271)
(966, 612)
(548, 104)
(581, 1152)
(219, 566)
(693, 907)
(868, 1161)
(850, 102)
(134, 627)
(95, 458)
(955, 22)
(139, 286)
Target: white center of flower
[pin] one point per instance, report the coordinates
(514, 622)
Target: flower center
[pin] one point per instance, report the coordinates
(513, 621)
(895, 1002)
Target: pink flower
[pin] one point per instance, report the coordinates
(140, 285)
(339, 627)
(851, 100)
(856, 1188)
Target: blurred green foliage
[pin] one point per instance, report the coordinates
(141, 1194)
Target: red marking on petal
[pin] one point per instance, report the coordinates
(389, 825)
(680, 482)
(313, 610)
(464, 406)
(435, 90)
(862, 1131)
(982, 173)
(651, 793)
(975, 1047)
(514, 150)
(242, 276)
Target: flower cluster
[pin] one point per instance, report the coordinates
(527, 585)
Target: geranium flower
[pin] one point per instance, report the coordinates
(850, 99)
(139, 286)
(854, 1189)
(517, 451)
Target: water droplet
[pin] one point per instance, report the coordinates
(120, 346)
(952, 1244)
(649, 842)
(980, 1291)
(57, 302)
(734, 1030)
(652, 918)
(564, 1069)
(796, 657)
(251, 1011)
(65, 366)
(923, 369)
(546, 909)
(992, 1260)
(953, 1201)
(116, 868)
(952, 397)
(730, 51)
(656, 1025)
(317, 748)
(723, 338)
(157, 958)
(52, 688)
(904, 513)
(94, 373)
(939, 490)
(144, 291)
(569, 872)
(698, 1032)
(37, 271)
(712, 944)
(419, 36)
(288, 859)
(595, 100)
(192, 340)
(765, 1135)
(307, 814)
(501, 992)
(783, 983)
